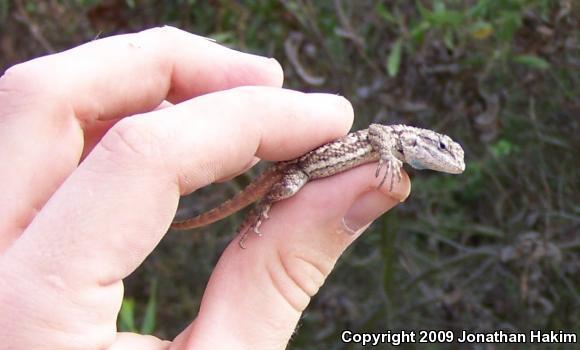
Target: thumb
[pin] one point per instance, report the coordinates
(255, 296)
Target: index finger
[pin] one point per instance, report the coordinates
(133, 73)
(50, 106)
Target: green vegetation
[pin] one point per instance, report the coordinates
(127, 318)
(494, 248)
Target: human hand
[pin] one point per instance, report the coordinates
(71, 232)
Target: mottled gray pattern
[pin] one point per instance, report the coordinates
(390, 145)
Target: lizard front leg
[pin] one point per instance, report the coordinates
(383, 140)
(288, 186)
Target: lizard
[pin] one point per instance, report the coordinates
(389, 145)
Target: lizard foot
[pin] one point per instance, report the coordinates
(393, 166)
(253, 222)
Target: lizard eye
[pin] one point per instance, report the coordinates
(442, 145)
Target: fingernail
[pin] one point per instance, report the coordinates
(277, 69)
(365, 210)
(332, 101)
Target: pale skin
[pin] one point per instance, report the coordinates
(97, 144)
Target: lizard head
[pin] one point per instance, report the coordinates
(426, 149)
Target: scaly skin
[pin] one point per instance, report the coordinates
(390, 145)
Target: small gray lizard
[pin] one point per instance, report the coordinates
(390, 145)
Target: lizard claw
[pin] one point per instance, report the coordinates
(242, 241)
(261, 217)
(384, 177)
(393, 167)
(379, 167)
(244, 229)
(265, 212)
(256, 228)
(396, 172)
(382, 162)
(253, 222)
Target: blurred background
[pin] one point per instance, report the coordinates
(494, 248)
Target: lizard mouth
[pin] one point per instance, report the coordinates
(459, 168)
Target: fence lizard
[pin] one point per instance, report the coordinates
(390, 145)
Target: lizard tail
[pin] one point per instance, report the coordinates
(256, 189)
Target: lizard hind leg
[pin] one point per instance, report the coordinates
(290, 183)
(253, 221)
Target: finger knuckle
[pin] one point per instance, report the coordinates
(249, 95)
(133, 140)
(21, 77)
(300, 277)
